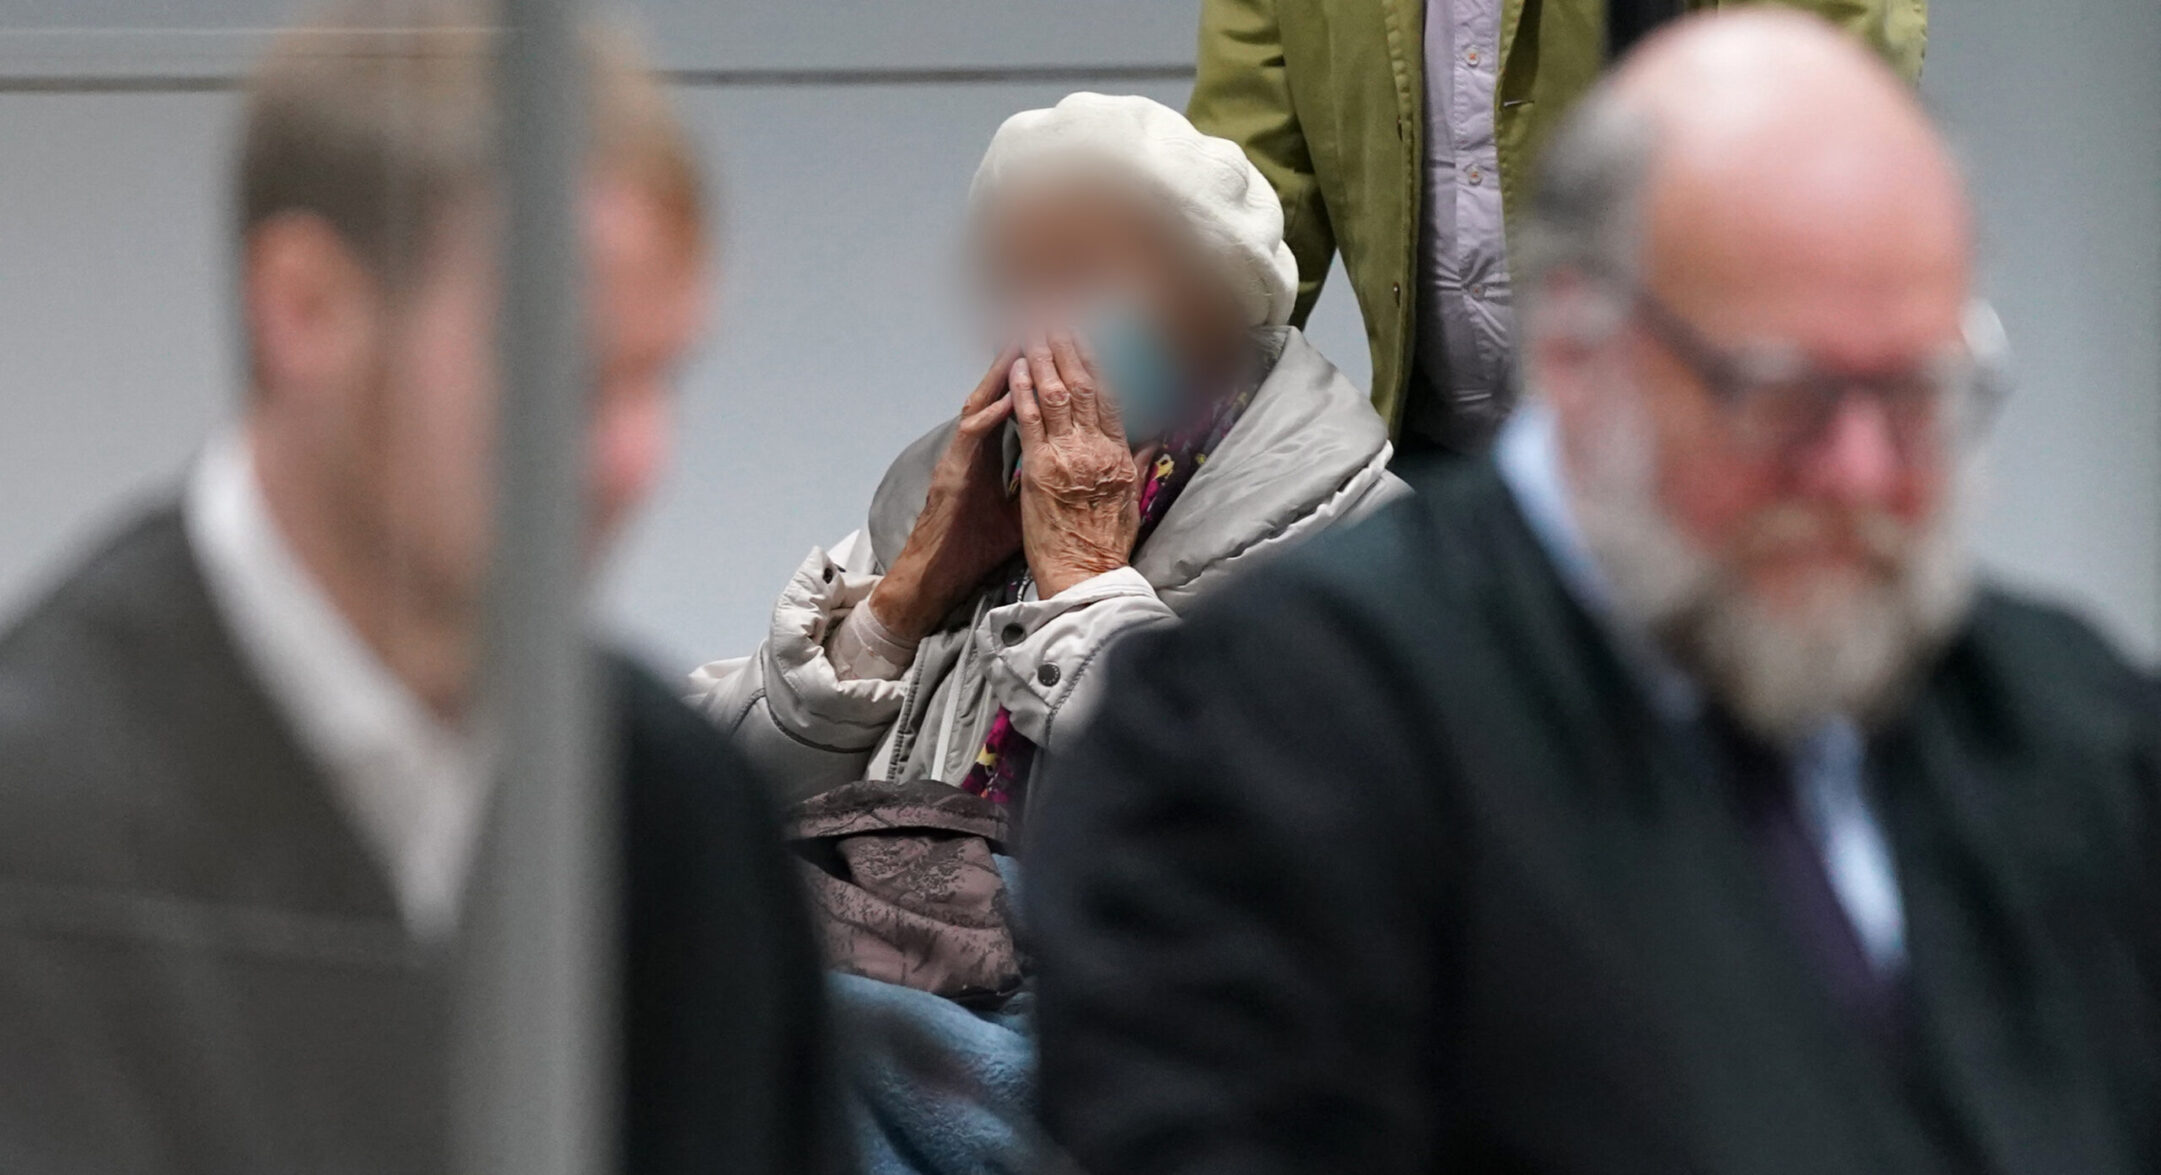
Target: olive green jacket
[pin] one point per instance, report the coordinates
(1328, 98)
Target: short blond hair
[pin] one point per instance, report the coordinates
(379, 116)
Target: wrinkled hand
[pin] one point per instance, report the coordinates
(1079, 483)
(968, 525)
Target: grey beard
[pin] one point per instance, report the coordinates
(1848, 649)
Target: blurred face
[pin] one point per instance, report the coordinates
(644, 296)
(1798, 563)
(376, 421)
(1787, 518)
(645, 300)
(1067, 243)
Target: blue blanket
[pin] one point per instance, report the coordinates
(937, 1089)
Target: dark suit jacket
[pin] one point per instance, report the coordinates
(1381, 864)
(202, 969)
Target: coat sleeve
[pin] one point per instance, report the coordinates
(1241, 91)
(1047, 658)
(731, 1062)
(784, 706)
(1230, 903)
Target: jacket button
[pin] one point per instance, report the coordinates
(1047, 676)
(1396, 288)
(1012, 634)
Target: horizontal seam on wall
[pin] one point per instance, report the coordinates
(694, 79)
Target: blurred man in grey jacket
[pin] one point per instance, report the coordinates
(240, 783)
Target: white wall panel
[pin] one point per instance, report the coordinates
(2057, 110)
(112, 310)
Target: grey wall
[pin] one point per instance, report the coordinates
(843, 330)
(2057, 109)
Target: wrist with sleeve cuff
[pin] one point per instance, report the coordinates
(863, 648)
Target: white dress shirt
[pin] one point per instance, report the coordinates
(409, 783)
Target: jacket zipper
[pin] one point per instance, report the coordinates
(904, 739)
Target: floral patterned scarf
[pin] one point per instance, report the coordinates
(1000, 771)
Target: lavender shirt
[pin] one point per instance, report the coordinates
(1465, 320)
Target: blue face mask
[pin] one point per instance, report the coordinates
(1138, 369)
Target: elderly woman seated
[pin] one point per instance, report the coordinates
(1153, 429)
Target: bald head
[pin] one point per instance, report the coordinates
(1739, 74)
(1745, 279)
(1760, 135)
(1793, 163)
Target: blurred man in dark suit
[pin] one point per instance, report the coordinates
(1658, 795)
(240, 780)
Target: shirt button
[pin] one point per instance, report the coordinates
(1013, 634)
(1479, 290)
(1476, 176)
(1047, 676)
(1471, 56)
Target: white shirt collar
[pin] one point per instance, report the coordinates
(1528, 453)
(409, 783)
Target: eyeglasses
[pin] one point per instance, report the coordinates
(1779, 400)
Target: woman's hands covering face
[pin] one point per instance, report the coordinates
(1079, 482)
(968, 525)
(1079, 505)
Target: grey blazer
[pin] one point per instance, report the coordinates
(202, 969)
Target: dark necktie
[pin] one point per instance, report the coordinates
(1801, 886)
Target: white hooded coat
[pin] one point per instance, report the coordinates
(1308, 453)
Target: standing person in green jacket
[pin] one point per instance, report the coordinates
(1401, 133)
